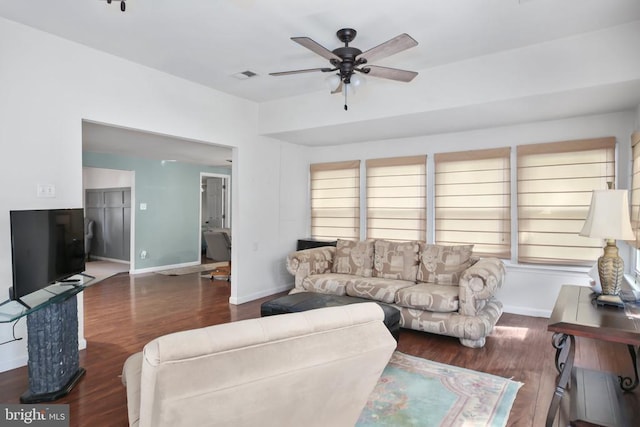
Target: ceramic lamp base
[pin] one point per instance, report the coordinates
(610, 269)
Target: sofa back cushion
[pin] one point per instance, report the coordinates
(443, 265)
(396, 260)
(353, 258)
(248, 373)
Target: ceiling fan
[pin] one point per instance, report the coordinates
(348, 60)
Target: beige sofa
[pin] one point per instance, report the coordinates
(315, 368)
(438, 289)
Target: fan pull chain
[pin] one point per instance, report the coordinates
(345, 99)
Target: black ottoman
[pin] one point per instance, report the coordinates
(304, 301)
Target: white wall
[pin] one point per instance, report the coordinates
(49, 85)
(274, 216)
(106, 178)
(530, 290)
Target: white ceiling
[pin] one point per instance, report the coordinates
(207, 41)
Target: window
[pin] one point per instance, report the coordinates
(473, 200)
(635, 192)
(335, 200)
(396, 198)
(555, 181)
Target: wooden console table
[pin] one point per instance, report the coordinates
(595, 396)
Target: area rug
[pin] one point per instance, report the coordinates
(192, 269)
(419, 392)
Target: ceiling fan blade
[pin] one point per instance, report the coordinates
(388, 48)
(316, 48)
(308, 70)
(389, 73)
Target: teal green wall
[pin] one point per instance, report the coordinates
(169, 229)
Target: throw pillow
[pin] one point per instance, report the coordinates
(443, 264)
(353, 258)
(396, 260)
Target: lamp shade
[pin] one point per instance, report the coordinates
(608, 216)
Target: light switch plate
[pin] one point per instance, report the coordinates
(46, 190)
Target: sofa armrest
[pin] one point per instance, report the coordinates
(131, 378)
(479, 283)
(310, 261)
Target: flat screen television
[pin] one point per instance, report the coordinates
(47, 246)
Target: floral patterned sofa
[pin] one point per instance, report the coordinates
(438, 289)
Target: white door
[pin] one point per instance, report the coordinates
(215, 206)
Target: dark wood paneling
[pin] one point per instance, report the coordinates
(111, 211)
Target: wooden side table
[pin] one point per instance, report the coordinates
(595, 396)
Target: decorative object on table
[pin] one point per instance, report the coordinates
(416, 391)
(595, 279)
(608, 219)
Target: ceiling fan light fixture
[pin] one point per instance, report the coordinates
(332, 82)
(347, 60)
(357, 80)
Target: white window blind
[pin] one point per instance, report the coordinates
(473, 200)
(555, 182)
(396, 198)
(335, 200)
(635, 188)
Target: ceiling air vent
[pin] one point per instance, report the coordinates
(244, 75)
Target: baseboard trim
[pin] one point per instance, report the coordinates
(527, 311)
(258, 295)
(163, 267)
(13, 364)
(101, 258)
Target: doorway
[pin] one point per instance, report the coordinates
(215, 224)
(214, 203)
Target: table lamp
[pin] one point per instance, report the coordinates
(608, 219)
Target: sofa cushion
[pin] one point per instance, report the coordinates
(376, 288)
(396, 260)
(443, 264)
(328, 283)
(353, 258)
(430, 297)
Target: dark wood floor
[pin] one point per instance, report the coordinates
(123, 313)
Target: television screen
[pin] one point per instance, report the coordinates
(47, 246)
